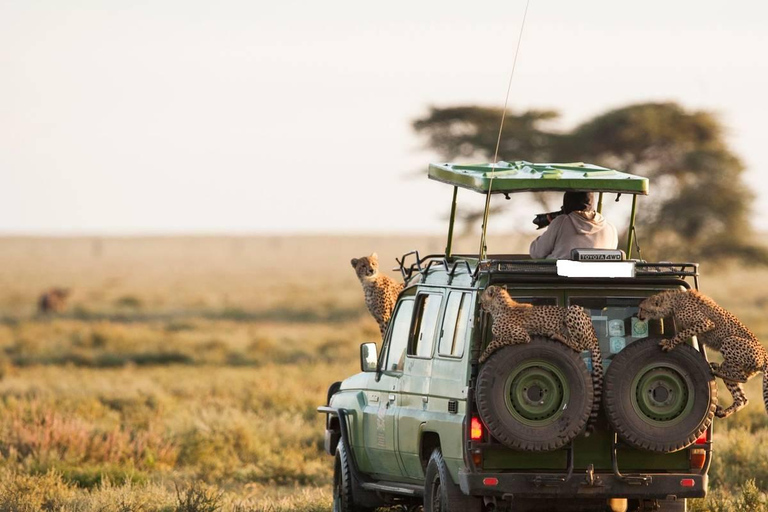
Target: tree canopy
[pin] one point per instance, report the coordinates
(699, 204)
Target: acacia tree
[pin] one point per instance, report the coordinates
(699, 205)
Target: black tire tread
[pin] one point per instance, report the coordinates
(348, 484)
(453, 498)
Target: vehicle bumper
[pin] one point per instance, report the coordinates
(605, 485)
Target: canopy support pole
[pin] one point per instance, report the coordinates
(451, 221)
(631, 234)
(600, 203)
(482, 250)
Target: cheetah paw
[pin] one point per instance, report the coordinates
(666, 345)
(720, 412)
(715, 367)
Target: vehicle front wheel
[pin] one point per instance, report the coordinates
(347, 493)
(441, 494)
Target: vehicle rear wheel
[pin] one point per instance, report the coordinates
(536, 396)
(659, 401)
(346, 490)
(441, 494)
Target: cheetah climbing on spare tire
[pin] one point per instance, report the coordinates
(697, 315)
(514, 322)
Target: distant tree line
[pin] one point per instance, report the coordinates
(699, 205)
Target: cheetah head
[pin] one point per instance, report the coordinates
(493, 295)
(366, 267)
(656, 306)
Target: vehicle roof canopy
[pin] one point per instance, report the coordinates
(522, 176)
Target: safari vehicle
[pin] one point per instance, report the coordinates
(424, 422)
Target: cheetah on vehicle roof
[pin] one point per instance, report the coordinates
(514, 323)
(697, 315)
(381, 291)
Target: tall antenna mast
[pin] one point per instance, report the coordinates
(481, 252)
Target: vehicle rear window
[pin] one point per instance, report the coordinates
(455, 323)
(534, 301)
(427, 311)
(616, 323)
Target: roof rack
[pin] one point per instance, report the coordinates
(508, 266)
(422, 266)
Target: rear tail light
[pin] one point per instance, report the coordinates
(698, 457)
(475, 429)
(490, 481)
(698, 453)
(477, 458)
(687, 482)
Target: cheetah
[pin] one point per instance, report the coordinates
(514, 323)
(381, 291)
(53, 300)
(695, 314)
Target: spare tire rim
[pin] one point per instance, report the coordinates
(662, 395)
(536, 393)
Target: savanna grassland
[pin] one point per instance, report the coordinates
(185, 372)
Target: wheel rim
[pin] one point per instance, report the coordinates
(662, 395)
(536, 393)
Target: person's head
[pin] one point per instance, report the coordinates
(578, 201)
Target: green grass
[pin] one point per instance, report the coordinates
(186, 372)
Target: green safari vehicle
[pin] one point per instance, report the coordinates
(425, 424)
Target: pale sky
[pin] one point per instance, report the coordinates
(162, 116)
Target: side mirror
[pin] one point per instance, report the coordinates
(369, 357)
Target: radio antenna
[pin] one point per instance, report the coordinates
(501, 130)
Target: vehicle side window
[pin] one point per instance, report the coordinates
(455, 324)
(401, 326)
(423, 336)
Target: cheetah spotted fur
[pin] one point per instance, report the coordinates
(697, 315)
(514, 323)
(380, 290)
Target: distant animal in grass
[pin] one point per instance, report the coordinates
(514, 322)
(54, 300)
(381, 291)
(695, 314)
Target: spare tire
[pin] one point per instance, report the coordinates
(535, 396)
(659, 401)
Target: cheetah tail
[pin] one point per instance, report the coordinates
(765, 385)
(597, 385)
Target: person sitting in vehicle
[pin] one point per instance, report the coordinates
(576, 226)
